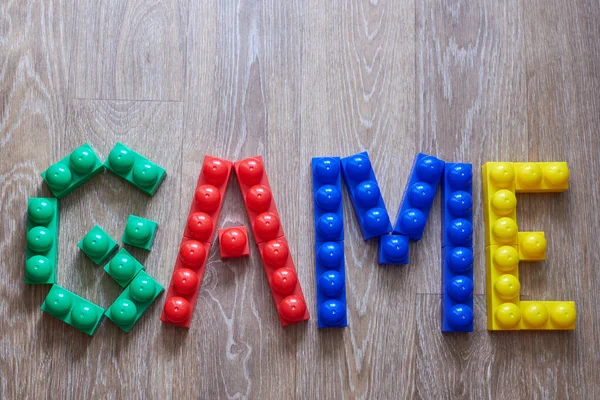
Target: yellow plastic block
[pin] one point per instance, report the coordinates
(499, 203)
(502, 287)
(539, 177)
(532, 246)
(548, 315)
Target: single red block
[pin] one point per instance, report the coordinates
(234, 242)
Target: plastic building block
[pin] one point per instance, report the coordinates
(195, 244)
(393, 249)
(457, 289)
(365, 196)
(133, 302)
(123, 267)
(72, 309)
(457, 205)
(41, 252)
(135, 169)
(331, 285)
(503, 287)
(548, 315)
(72, 171)
(234, 242)
(139, 232)
(532, 246)
(540, 177)
(327, 196)
(283, 280)
(97, 245)
(499, 203)
(418, 196)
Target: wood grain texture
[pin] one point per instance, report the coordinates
(468, 81)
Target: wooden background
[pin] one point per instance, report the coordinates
(471, 81)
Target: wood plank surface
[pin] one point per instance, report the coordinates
(510, 80)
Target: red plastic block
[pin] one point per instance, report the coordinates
(234, 242)
(195, 245)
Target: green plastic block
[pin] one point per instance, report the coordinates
(72, 171)
(41, 252)
(135, 169)
(98, 245)
(72, 309)
(123, 267)
(139, 232)
(134, 301)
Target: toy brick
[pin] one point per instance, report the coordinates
(139, 232)
(457, 289)
(234, 242)
(548, 315)
(457, 205)
(331, 285)
(327, 198)
(499, 203)
(135, 169)
(541, 177)
(123, 267)
(41, 251)
(195, 244)
(258, 199)
(502, 287)
(418, 196)
(72, 171)
(365, 196)
(393, 249)
(283, 280)
(532, 246)
(98, 245)
(133, 302)
(73, 310)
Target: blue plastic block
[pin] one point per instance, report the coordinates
(393, 249)
(457, 205)
(327, 196)
(457, 289)
(331, 285)
(418, 196)
(366, 198)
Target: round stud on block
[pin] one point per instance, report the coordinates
(529, 174)
(138, 231)
(508, 315)
(215, 171)
(556, 174)
(83, 316)
(275, 253)
(292, 308)
(82, 160)
(461, 260)
(460, 288)
(58, 176)
(507, 286)
(367, 194)
(177, 309)
(412, 221)
(563, 315)
(284, 281)
(328, 197)
(331, 283)
(460, 203)
(122, 267)
(38, 269)
(421, 195)
(330, 226)
(460, 316)
(504, 202)
(233, 241)
(39, 239)
(258, 198)
(505, 230)
(123, 312)
(460, 176)
(506, 258)
(535, 315)
(200, 226)
(429, 169)
(184, 281)
(40, 211)
(327, 170)
(533, 245)
(358, 168)
(376, 221)
(59, 302)
(208, 198)
(332, 312)
(121, 160)
(502, 175)
(142, 289)
(95, 244)
(330, 255)
(250, 171)
(266, 226)
(460, 231)
(192, 253)
(145, 173)
(393, 248)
